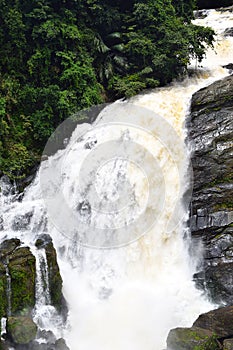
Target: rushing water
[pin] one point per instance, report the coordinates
(128, 297)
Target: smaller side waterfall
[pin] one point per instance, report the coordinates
(45, 314)
(42, 278)
(8, 289)
(3, 326)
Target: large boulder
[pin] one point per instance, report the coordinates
(211, 331)
(219, 321)
(7, 247)
(21, 330)
(210, 132)
(192, 339)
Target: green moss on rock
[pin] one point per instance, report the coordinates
(22, 330)
(55, 280)
(192, 339)
(22, 269)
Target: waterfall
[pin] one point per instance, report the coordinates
(44, 314)
(8, 289)
(124, 291)
(42, 278)
(3, 326)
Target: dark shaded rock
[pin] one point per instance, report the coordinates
(43, 241)
(55, 280)
(8, 246)
(228, 32)
(219, 321)
(1, 223)
(200, 13)
(213, 4)
(192, 339)
(22, 330)
(229, 66)
(218, 281)
(228, 344)
(215, 95)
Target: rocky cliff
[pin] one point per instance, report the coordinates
(210, 131)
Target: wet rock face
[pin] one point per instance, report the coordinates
(210, 132)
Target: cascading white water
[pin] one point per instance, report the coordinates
(8, 289)
(129, 297)
(42, 278)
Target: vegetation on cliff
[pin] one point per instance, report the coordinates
(58, 57)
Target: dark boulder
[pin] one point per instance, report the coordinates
(219, 321)
(228, 32)
(43, 240)
(192, 339)
(211, 331)
(229, 66)
(7, 247)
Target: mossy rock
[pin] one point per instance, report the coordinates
(22, 268)
(55, 280)
(22, 330)
(228, 344)
(8, 246)
(192, 339)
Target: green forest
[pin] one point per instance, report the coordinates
(60, 56)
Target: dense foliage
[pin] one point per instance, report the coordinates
(60, 56)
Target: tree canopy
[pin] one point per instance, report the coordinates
(60, 56)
